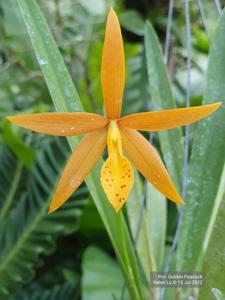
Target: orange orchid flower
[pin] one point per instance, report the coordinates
(118, 133)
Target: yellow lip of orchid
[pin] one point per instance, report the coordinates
(118, 133)
(117, 176)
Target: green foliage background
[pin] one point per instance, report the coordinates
(85, 250)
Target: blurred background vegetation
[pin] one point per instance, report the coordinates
(68, 255)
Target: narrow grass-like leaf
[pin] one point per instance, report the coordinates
(139, 226)
(214, 248)
(148, 227)
(207, 159)
(218, 294)
(65, 98)
(157, 216)
(160, 89)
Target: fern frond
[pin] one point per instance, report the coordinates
(65, 291)
(29, 231)
(11, 170)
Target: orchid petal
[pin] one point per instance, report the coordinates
(167, 119)
(60, 124)
(140, 152)
(113, 67)
(78, 166)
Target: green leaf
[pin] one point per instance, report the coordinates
(25, 153)
(14, 27)
(65, 98)
(49, 59)
(139, 227)
(24, 237)
(148, 233)
(12, 21)
(160, 89)
(207, 160)
(218, 295)
(101, 278)
(213, 265)
(201, 40)
(133, 22)
(157, 216)
(96, 8)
